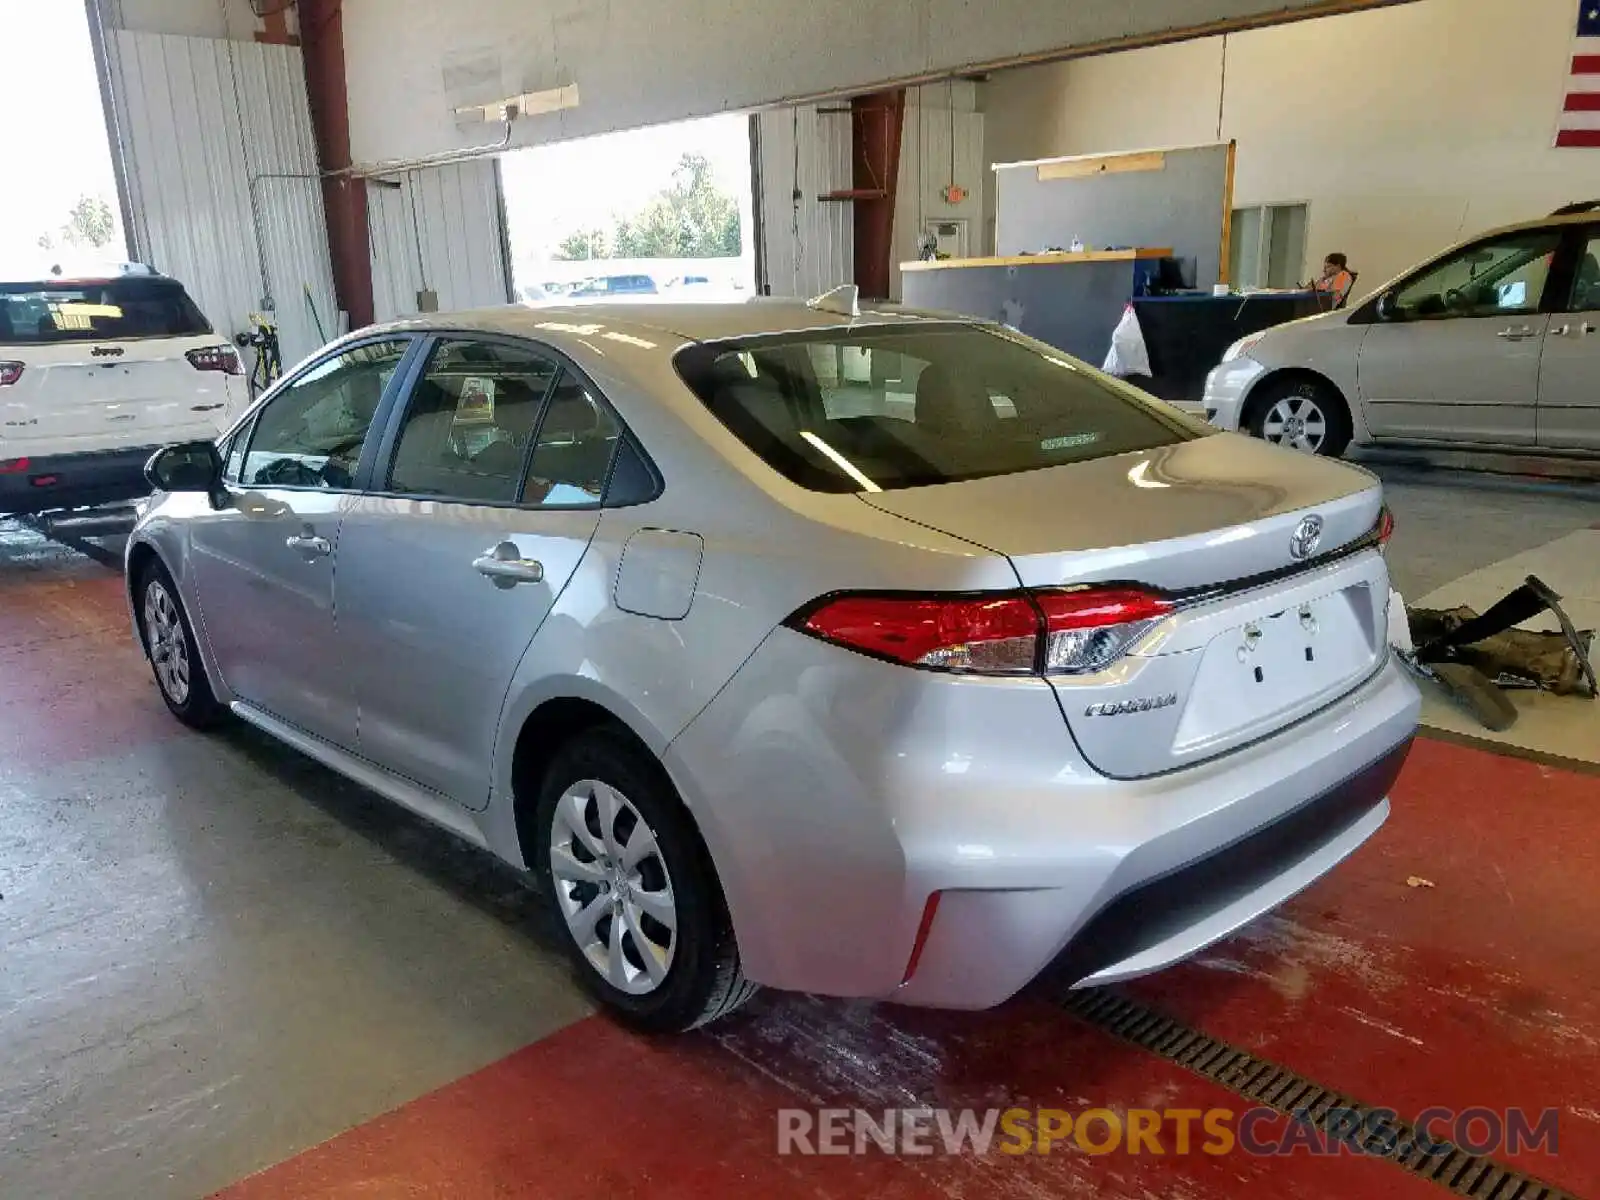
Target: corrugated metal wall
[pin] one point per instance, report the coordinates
(927, 167)
(807, 246)
(190, 158)
(439, 228)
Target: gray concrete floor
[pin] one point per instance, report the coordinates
(1449, 524)
(214, 953)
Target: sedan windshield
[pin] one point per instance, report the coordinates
(876, 408)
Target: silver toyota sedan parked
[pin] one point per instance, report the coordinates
(876, 654)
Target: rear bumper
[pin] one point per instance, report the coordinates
(838, 794)
(73, 480)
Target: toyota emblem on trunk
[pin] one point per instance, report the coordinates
(1303, 541)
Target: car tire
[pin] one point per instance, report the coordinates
(1302, 414)
(174, 655)
(602, 791)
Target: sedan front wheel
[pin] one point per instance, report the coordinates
(174, 656)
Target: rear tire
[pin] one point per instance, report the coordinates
(643, 916)
(174, 655)
(1302, 414)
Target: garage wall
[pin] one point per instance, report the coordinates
(189, 159)
(1437, 121)
(807, 245)
(927, 167)
(440, 228)
(637, 62)
(185, 18)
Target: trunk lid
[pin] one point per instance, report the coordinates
(1177, 517)
(1260, 638)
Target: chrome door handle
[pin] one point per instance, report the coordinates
(505, 567)
(1516, 334)
(1581, 329)
(309, 544)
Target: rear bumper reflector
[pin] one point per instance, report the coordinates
(924, 928)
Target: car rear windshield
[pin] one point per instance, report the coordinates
(885, 407)
(101, 311)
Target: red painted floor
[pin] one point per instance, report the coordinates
(1479, 990)
(1469, 992)
(596, 1113)
(97, 704)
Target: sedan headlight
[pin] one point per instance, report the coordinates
(1242, 347)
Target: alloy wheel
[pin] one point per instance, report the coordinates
(1297, 422)
(169, 646)
(613, 887)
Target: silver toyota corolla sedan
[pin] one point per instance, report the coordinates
(877, 654)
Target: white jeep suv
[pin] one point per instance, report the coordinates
(95, 376)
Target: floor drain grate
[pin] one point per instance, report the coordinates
(1266, 1083)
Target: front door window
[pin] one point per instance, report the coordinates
(1499, 278)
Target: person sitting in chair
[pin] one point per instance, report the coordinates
(1336, 279)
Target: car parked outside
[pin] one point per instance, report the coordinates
(874, 654)
(1494, 345)
(614, 285)
(96, 374)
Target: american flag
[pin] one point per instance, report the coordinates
(1580, 115)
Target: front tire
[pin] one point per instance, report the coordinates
(174, 655)
(645, 922)
(1302, 414)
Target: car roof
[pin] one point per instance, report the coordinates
(1551, 222)
(647, 320)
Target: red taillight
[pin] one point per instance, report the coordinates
(1095, 608)
(1385, 527)
(994, 633)
(1001, 633)
(14, 466)
(216, 358)
(10, 372)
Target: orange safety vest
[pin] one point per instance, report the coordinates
(1339, 286)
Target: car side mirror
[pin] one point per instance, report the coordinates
(1387, 309)
(186, 467)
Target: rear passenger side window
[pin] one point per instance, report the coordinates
(469, 423)
(577, 440)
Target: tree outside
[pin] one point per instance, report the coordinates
(692, 218)
(584, 245)
(90, 225)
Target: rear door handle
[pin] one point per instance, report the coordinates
(1581, 329)
(1516, 333)
(505, 567)
(309, 544)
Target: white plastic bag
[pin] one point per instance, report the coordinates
(1128, 355)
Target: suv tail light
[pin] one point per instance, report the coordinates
(1054, 632)
(10, 372)
(216, 358)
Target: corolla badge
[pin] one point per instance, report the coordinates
(1306, 537)
(1122, 708)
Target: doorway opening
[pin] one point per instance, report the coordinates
(664, 211)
